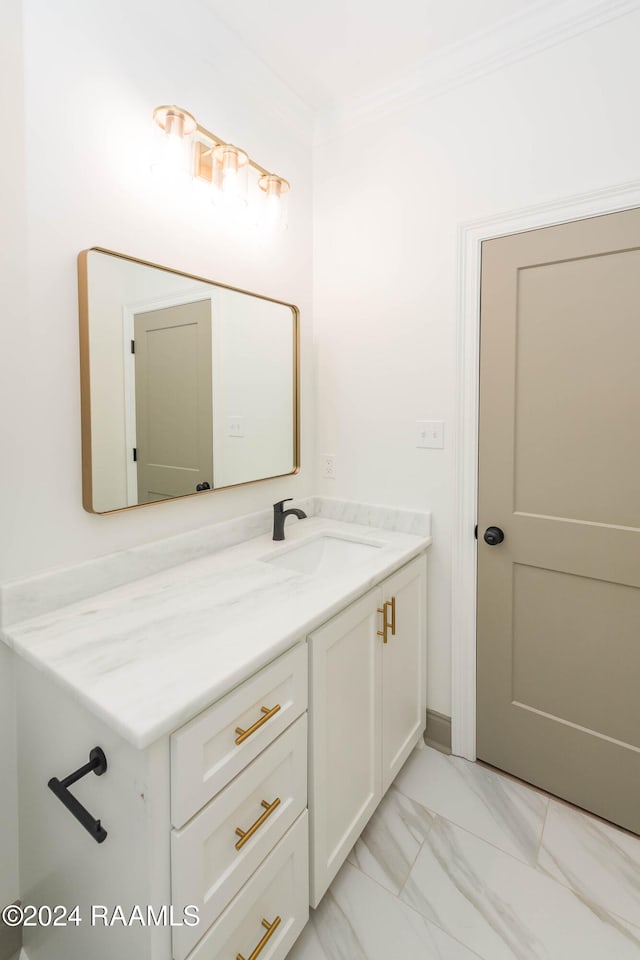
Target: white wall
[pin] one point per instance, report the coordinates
(388, 198)
(253, 353)
(14, 341)
(94, 73)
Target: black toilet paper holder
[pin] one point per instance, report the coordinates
(98, 765)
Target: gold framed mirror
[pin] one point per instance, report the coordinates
(188, 386)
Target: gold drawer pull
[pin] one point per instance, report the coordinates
(247, 834)
(271, 929)
(243, 734)
(385, 623)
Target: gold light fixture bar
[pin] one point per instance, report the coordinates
(209, 149)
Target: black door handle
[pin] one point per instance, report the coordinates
(493, 536)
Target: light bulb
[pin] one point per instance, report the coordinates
(229, 178)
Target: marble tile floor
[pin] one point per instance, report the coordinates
(460, 862)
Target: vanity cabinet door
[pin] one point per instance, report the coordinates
(404, 674)
(344, 742)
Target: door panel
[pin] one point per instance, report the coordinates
(581, 343)
(174, 407)
(403, 668)
(559, 659)
(559, 472)
(344, 735)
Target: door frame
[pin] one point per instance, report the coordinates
(471, 235)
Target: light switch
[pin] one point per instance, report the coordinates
(430, 433)
(235, 427)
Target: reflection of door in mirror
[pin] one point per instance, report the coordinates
(173, 400)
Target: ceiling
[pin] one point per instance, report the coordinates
(335, 50)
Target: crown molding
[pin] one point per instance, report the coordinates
(542, 26)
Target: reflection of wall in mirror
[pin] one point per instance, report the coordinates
(253, 354)
(115, 283)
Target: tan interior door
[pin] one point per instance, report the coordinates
(174, 410)
(559, 473)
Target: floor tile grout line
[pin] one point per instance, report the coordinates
(494, 846)
(584, 900)
(364, 874)
(535, 865)
(419, 851)
(544, 825)
(413, 909)
(587, 901)
(554, 798)
(523, 863)
(432, 815)
(568, 885)
(448, 933)
(526, 863)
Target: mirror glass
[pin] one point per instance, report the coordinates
(187, 385)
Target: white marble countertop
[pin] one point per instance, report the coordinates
(148, 655)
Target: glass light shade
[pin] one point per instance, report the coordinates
(229, 176)
(275, 191)
(174, 160)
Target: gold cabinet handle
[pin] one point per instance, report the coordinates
(385, 623)
(243, 734)
(246, 835)
(271, 929)
(393, 616)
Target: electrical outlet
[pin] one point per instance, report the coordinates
(235, 427)
(329, 467)
(430, 433)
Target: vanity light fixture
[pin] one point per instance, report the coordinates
(193, 149)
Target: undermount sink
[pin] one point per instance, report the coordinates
(324, 555)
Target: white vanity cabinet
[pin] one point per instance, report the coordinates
(367, 710)
(247, 810)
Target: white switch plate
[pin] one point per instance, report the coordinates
(235, 427)
(430, 433)
(329, 467)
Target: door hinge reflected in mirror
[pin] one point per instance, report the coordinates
(133, 346)
(135, 454)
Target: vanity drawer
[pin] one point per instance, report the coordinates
(272, 908)
(209, 861)
(209, 751)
